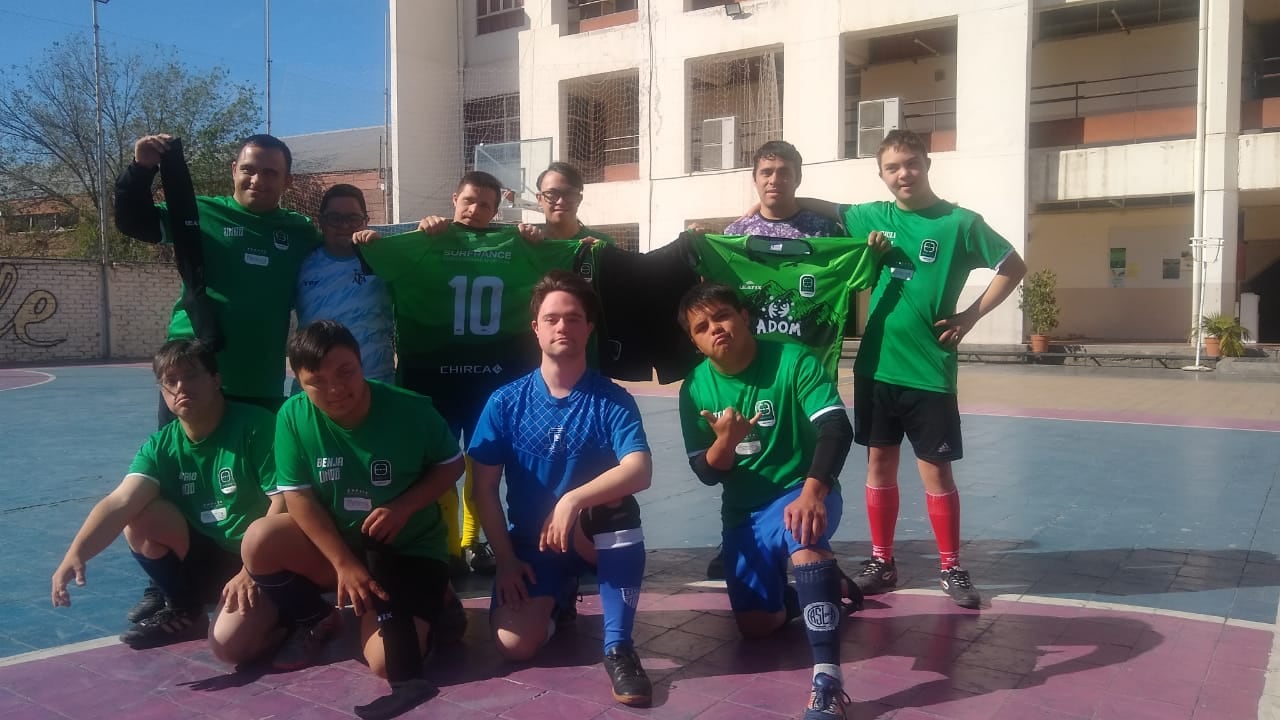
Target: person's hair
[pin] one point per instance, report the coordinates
(187, 352)
(565, 281)
(269, 142)
(482, 179)
(569, 172)
(343, 190)
(309, 345)
(779, 149)
(903, 140)
(706, 295)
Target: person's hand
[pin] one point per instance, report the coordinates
(509, 582)
(434, 224)
(385, 523)
(70, 568)
(956, 327)
(240, 593)
(148, 150)
(696, 227)
(557, 530)
(731, 427)
(531, 233)
(364, 237)
(879, 243)
(806, 517)
(356, 586)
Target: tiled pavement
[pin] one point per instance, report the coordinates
(1134, 566)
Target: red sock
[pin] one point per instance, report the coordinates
(882, 515)
(944, 515)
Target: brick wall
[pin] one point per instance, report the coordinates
(51, 310)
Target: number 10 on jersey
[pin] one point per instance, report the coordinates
(470, 298)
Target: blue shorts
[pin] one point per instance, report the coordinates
(756, 553)
(557, 574)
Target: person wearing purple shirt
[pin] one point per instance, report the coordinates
(776, 171)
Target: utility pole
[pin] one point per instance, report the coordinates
(102, 187)
(268, 66)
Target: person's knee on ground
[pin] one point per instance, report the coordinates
(757, 624)
(236, 638)
(520, 634)
(376, 636)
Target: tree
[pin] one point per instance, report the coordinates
(48, 126)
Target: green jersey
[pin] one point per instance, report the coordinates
(462, 308)
(354, 471)
(919, 283)
(790, 389)
(795, 289)
(251, 265)
(219, 483)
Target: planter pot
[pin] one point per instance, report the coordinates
(1212, 346)
(1039, 343)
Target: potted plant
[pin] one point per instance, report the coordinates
(1224, 336)
(1036, 299)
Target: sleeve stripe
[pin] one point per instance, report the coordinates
(824, 411)
(283, 488)
(455, 457)
(276, 491)
(696, 453)
(144, 475)
(1002, 259)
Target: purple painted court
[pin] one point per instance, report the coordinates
(1127, 543)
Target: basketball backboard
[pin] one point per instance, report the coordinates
(516, 165)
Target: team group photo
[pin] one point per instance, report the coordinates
(417, 436)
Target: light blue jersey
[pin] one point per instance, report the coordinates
(333, 288)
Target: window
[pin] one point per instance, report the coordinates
(1116, 15)
(498, 15)
(489, 120)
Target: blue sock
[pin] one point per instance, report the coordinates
(619, 570)
(818, 585)
(166, 573)
(296, 598)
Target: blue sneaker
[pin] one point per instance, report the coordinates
(827, 700)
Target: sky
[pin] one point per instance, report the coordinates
(327, 56)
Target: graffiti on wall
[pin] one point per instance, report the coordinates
(38, 306)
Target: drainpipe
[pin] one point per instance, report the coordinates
(1197, 225)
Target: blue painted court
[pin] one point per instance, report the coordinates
(1122, 519)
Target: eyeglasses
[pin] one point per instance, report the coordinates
(554, 196)
(344, 219)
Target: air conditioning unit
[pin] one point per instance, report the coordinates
(877, 118)
(720, 143)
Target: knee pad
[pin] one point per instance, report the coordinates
(613, 526)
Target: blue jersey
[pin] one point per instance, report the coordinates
(802, 224)
(549, 446)
(338, 288)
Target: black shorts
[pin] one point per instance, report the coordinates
(216, 565)
(883, 413)
(416, 584)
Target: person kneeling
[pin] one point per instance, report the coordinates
(190, 493)
(763, 419)
(361, 465)
(575, 453)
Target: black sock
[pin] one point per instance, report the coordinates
(791, 602)
(167, 574)
(818, 587)
(399, 641)
(296, 598)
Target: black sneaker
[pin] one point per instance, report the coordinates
(630, 685)
(877, 576)
(715, 568)
(960, 588)
(167, 626)
(151, 603)
(305, 642)
(480, 558)
(826, 700)
(850, 594)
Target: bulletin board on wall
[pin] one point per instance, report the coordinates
(1148, 257)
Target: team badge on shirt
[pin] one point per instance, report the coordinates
(808, 285)
(929, 251)
(380, 473)
(226, 481)
(280, 239)
(764, 408)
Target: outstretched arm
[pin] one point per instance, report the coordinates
(104, 524)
